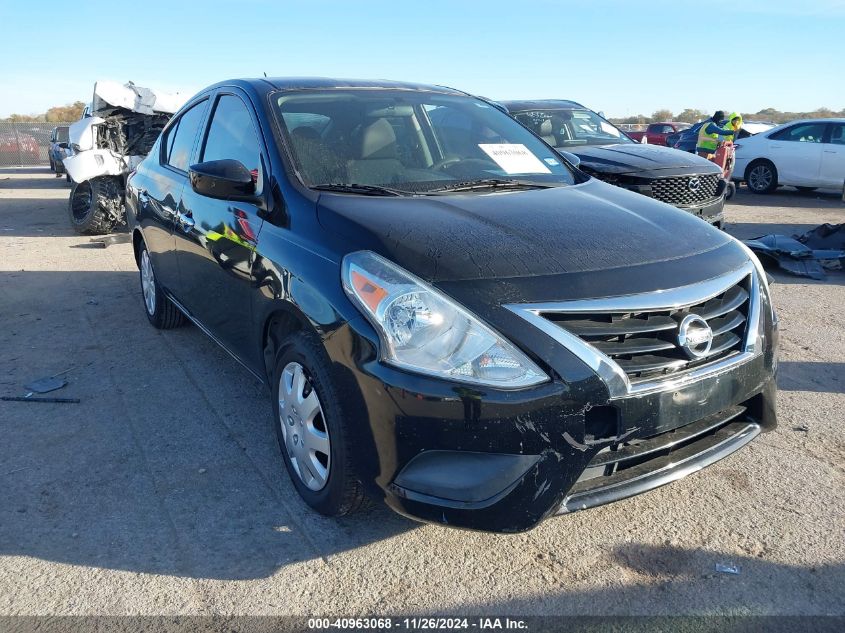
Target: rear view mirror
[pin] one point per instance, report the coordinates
(223, 179)
(571, 158)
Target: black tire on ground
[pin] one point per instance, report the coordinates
(95, 205)
(761, 176)
(342, 492)
(730, 191)
(161, 311)
(806, 189)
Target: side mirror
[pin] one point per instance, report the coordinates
(571, 158)
(63, 145)
(223, 179)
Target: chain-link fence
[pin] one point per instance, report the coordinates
(26, 142)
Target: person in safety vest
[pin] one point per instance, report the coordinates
(711, 133)
(733, 126)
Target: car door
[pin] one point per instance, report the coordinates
(216, 239)
(158, 189)
(796, 152)
(833, 157)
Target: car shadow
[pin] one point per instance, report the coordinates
(681, 589)
(169, 464)
(787, 197)
(821, 377)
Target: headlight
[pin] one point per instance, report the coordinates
(424, 331)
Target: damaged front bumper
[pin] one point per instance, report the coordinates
(505, 461)
(99, 162)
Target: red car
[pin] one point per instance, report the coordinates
(17, 148)
(656, 133)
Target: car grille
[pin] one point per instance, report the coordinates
(683, 190)
(646, 345)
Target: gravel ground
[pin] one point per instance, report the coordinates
(162, 492)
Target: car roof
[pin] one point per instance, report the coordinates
(268, 84)
(541, 104)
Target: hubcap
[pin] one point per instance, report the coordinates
(760, 178)
(304, 427)
(148, 285)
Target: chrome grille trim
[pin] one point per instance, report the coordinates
(617, 381)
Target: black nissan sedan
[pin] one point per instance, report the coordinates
(449, 317)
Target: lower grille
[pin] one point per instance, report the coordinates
(633, 467)
(649, 345)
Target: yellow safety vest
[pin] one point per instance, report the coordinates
(731, 132)
(707, 141)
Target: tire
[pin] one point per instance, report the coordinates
(161, 311)
(761, 176)
(806, 189)
(95, 205)
(730, 192)
(315, 441)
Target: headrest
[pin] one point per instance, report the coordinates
(303, 132)
(378, 140)
(546, 128)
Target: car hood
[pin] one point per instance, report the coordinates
(526, 234)
(633, 158)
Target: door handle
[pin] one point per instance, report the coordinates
(830, 151)
(186, 222)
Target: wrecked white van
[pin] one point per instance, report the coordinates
(123, 125)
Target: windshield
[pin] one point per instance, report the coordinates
(411, 142)
(571, 127)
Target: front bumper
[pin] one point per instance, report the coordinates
(504, 461)
(711, 211)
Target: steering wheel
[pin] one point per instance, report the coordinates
(446, 162)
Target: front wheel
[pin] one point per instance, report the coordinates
(730, 191)
(761, 176)
(95, 206)
(313, 433)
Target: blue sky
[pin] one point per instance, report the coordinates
(612, 55)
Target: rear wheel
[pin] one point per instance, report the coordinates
(161, 312)
(312, 431)
(761, 176)
(95, 205)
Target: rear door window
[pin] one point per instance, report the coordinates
(181, 137)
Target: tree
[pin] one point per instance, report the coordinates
(72, 112)
(662, 115)
(691, 115)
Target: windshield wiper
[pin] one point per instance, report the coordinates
(491, 183)
(365, 190)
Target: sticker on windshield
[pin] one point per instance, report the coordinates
(514, 158)
(607, 128)
(551, 161)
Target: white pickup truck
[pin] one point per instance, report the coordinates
(113, 136)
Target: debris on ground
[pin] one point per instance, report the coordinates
(727, 568)
(802, 428)
(806, 255)
(46, 384)
(37, 399)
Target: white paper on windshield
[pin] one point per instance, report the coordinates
(609, 129)
(514, 158)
